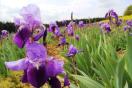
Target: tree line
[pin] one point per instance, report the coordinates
(10, 26)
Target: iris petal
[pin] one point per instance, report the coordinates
(54, 82)
(37, 77)
(18, 41)
(55, 67)
(37, 37)
(31, 16)
(72, 51)
(24, 78)
(36, 51)
(16, 65)
(21, 37)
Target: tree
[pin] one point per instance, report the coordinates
(128, 11)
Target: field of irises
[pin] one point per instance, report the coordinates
(94, 55)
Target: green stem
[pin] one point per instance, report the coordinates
(74, 66)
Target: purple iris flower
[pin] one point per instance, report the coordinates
(70, 30)
(72, 51)
(81, 24)
(106, 27)
(4, 33)
(62, 41)
(32, 64)
(126, 27)
(77, 37)
(52, 27)
(129, 23)
(57, 32)
(38, 67)
(29, 22)
(112, 14)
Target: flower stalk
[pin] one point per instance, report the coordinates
(74, 66)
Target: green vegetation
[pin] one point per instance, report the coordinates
(128, 11)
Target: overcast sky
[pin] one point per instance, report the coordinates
(52, 10)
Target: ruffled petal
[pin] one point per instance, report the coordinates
(36, 52)
(31, 15)
(17, 65)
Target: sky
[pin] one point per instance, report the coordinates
(52, 10)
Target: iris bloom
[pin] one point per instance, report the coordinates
(53, 27)
(70, 30)
(112, 14)
(106, 27)
(77, 37)
(57, 32)
(72, 51)
(38, 67)
(62, 41)
(81, 24)
(129, 23)
(4, 33)
(28, 23)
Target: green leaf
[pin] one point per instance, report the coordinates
(120, 73)
(126, 85)
(88, 82)
(129, 58)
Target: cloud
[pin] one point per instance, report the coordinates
(52, 10)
